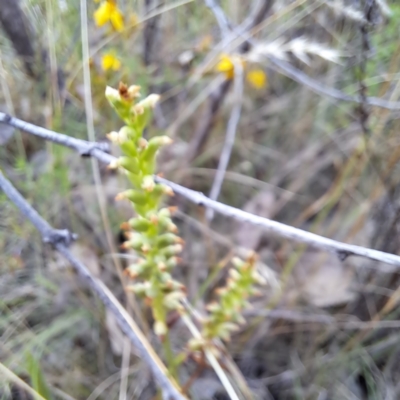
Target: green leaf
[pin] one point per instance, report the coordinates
(37, 377)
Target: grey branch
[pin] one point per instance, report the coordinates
(60, 240)
(343, 250)
(219, 16)
(49, 234)
(81, 146)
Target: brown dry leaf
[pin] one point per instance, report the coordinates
(321, 279)
(249, 235)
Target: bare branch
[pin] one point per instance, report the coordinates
(317, 87)
(83, 147)
(229, 137)
(49, 234)
(219, 16)
(343, 250)
(60, 240)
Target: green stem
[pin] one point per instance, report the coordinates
(169, 356)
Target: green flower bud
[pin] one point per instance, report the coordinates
(113, 137)
(161, 189)
(224, 330)
(237, 262)
(136, 241)
(112, 95)
(135, 196)
(160, 328)
(141, 112)
(171, 251)
(173, 300)
(139, 224)
(167, 239)
(172, 263)
(213, 307)
(173, 285)
(165, 213)
(128, 163)
(139, 288)
(135, 270)
(234, 274)
(153, 146)
(148, 183)
(196, 344)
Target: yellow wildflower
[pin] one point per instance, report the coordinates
(109, 12)
(257, 78)
(109, 61)
(226, 65)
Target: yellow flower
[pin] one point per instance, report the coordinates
(226, 65)
(109, 61)
(109, 12)
(257, 78)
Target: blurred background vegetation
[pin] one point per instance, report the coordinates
(303, 158)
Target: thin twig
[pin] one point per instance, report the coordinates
(343, 250)
(229, 137)
(83, 147)
(60, 240)
(207, 120)
(219, 16)
(100, 195)
(223, 22)
(300, 77)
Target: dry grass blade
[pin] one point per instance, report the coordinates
(229, 138)
(8, 374)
